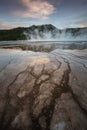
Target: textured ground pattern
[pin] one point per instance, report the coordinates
(43, 91)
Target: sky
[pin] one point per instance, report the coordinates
(60, 13)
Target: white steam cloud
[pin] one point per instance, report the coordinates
(56, 35)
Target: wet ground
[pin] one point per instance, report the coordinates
(45, 46)
(43, 91)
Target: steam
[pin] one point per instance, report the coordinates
(56, 35)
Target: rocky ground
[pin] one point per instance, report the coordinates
(43, 91)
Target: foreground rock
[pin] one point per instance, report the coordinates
(41, 91)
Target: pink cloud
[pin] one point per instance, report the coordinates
(6, 25)
(82, 23)
(17, 23)
(35, 9)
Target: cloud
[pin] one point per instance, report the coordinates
(6, 25)
(9, 25)
(35, 9)
(82, 23)
(17, 23)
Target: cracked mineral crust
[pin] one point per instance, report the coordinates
(43, 91)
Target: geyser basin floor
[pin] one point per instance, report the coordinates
(43, 46)
(41, 91)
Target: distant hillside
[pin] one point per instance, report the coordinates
(43, 32)
(13, 34)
